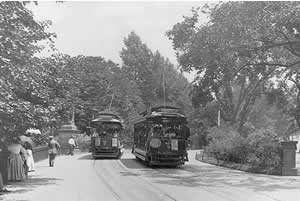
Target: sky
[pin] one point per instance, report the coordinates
(98, 28)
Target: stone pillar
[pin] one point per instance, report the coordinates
(289, 158)
(64, 134)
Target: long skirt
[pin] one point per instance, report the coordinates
(30, 161)
(16, 170)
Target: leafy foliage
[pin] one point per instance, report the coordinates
(260, 148)
(239, 52)
(157, 79)
(23, 96)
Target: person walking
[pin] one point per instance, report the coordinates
(1, 183)
(72, 145)
(16, 171)
(30, 160)
(54, 148)
(2, 188)
(4, 160)
(3, 165)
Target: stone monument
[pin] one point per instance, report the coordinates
(289, 158)
(64, 134)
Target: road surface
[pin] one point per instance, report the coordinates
(80, 178)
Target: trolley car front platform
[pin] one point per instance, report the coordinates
(106, 153)
(109, 154)
(160, 159)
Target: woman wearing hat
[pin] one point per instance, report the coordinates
(16, 171)
(54, 147)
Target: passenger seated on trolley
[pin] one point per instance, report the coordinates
(157, 131)
(169, 132)
(94, 133)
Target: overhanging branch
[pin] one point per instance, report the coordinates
(266, 64)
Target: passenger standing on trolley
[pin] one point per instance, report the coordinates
(186, 134)
(54, 147)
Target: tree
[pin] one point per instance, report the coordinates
(239, 52)
(136, 57)
(93, 84)
(156, 77)
(22, 98)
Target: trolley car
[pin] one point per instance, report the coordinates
(160, 137)
(105, 138)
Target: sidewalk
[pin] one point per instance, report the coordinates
(44, 182)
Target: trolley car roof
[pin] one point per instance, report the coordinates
(107, 117)
(108, 114)
(164, 113)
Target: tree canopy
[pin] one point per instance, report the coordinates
(23, 96)
(244, 49)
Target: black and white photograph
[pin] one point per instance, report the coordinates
(149, 100)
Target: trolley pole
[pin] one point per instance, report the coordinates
(112, 97)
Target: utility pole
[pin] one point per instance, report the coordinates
(164, 88)
(219, 116)
(112, 97)
(73, 115)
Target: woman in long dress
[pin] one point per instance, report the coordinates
(16, 171)
(30, 160)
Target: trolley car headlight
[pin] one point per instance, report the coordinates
(155, 143)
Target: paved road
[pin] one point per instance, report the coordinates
(80, 178)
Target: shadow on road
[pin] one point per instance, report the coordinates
(90, 157)
(131, 163)
(214, 176)
(30, 184)
(86, 157)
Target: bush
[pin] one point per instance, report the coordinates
(227, 144)
(39, 139)
(83, 142)
(264, 149)
(259, 149)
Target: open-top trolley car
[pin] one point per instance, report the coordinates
(106, 132)
(160, 137)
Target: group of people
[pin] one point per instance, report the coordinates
(16, 161)
(16, 158)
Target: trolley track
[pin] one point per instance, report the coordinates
(126, 185)
(149, 183)
(101, 177)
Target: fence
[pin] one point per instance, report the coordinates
(40, 153)
(204, 155)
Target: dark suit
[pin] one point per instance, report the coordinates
(3, 161)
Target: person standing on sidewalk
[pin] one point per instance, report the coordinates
(16, 171)
(4, 160)
(3, 165)
(30, 160)
(1, 183)
(54, 147)
(2, 189)
(72, 145)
